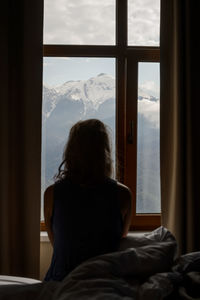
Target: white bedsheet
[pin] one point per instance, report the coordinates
(6, 280)
(146, 267)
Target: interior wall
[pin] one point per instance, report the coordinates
(45, 257)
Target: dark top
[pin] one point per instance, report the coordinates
(86, 222)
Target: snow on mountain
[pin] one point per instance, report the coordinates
(92, 93)
(143, 94)
(50, 99)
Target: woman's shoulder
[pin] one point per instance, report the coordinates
(48, 195)
(124, 196)
(123, 188)
(48, 203)
(49, 190)
(54, 188)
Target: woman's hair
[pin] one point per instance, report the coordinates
(87, 154)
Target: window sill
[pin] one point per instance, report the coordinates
(45, 239)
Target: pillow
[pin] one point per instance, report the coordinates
(135, 240)
(188, 263)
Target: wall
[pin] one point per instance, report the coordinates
(45, 254)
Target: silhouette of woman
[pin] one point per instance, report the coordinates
(86, 212)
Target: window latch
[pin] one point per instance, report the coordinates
(130, 134)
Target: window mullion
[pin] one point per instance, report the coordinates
(131, 128)
(121, 23)
(79, 51)
(121, 44)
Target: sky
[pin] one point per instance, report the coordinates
(93, 22)
(57, 71)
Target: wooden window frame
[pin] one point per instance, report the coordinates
(125, 90)
(134, 57)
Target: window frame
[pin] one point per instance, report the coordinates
(136, 55)
(127, 59)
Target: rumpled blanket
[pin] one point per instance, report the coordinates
(145, 267)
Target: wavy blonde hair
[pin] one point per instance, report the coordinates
(87, 154)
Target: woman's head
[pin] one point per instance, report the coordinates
(87, 155)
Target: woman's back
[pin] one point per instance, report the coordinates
(86, 221)
(84, 209)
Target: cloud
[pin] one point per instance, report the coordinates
(91, 60)
(144, 22)
(51, 63)
(150, 110)
(47, 64)
(150, 88)
(93, 22)
(79, 22)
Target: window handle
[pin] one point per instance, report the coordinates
(130, 135)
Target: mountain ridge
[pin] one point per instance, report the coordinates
(91, 92)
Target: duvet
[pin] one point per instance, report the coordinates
(145, 267)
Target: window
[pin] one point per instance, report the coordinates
(101, 59)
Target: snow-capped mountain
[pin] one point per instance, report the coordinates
(50, 99)
(94, 90)
(142, 94)
(91, 93)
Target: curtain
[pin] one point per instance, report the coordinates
(179, 121)
(20, 136)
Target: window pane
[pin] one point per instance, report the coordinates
(144, 22)
(87, 22)
(148, 145)
(73, 89)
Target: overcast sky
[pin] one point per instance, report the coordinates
(144, 22)
(93, 22)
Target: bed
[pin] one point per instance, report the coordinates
(11, 280)
(145, 267)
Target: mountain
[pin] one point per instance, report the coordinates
(90, 93)
(95, 98)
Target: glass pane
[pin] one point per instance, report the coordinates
(144, 22)
(148, 145)
(87, 22)
(73, 89)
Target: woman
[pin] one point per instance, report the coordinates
(86, 212)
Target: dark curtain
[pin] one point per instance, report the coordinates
(180, 118)
(20, 136)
